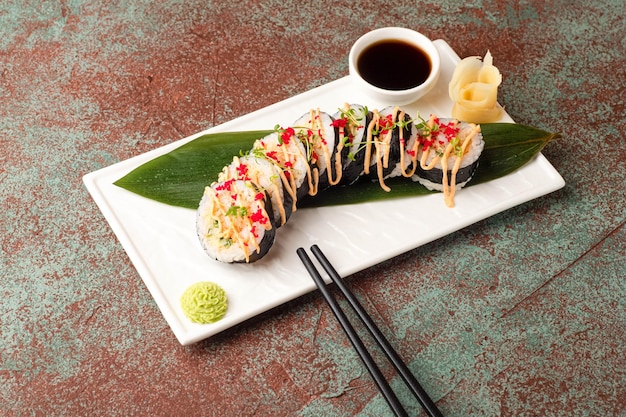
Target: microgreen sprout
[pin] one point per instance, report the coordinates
(226, 242)
(237, 211)
(457, 146)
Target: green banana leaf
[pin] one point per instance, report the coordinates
(178, 178)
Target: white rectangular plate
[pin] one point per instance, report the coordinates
(162, 244)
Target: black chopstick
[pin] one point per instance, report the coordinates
(367, 359)
(425, 401)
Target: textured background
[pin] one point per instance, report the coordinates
(528, 317)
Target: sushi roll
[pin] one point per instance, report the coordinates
(316, 131)
(234, 221)
(258, 191)
(390, 135)
(350, 123)
(266, 176)
(289, 155)
(450, 146)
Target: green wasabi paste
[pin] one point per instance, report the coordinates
(204, 302)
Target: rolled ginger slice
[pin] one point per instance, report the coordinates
(474, 90)
(489, 74)
(478, 103)
(466, 72)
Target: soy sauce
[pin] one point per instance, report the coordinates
(394, 65)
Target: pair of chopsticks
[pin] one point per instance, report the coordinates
(427, 404)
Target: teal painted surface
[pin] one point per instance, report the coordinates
(521, 314)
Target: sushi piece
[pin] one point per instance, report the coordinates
(390, 143)
(316, 131)
(451, 147)
(404, 134)
(289, 155)
(234, 221)
(265, 175)
(350, 123)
